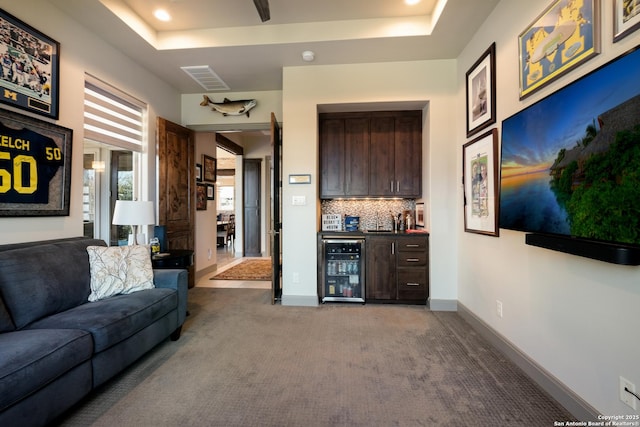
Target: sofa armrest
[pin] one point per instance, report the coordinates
(174, 279)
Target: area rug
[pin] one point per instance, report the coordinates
(249, 269)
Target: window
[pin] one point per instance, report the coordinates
(225, 198)
(114, 136)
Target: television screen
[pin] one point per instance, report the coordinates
(570, 163)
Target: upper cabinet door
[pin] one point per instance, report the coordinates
(356, 157)
(408, 156)
(332, 159)
(382, 177)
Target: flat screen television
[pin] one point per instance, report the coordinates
(570, 166)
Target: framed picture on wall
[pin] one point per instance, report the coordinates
(35, 171)
(480, 172)
(481, 92)
(211, 192)
(626, 18)
(30, 63)
(198, 172)
(565, 35)
(210, 172)
(201, 197)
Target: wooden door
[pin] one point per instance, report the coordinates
(408, 154)
(276, 211)
(252, 197)
(176, 185)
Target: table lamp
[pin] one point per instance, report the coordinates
(133, 213)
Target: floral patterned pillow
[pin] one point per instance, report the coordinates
(119, 270)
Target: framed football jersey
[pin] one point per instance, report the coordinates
(35, 166)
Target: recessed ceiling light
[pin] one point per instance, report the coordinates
(411, 2)
(162, 15)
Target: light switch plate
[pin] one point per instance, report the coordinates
(298, 200)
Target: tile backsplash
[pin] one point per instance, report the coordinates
(372, 212)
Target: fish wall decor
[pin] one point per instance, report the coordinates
(230, 108)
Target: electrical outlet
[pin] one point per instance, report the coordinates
(626, 397)
(499, 308)
(295, 277)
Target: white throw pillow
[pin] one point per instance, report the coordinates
(119, 270)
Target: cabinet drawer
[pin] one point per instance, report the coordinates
(412, 244)
(412, 259)
(413, 284)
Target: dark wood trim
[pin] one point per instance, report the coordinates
(228, 145)
(226, 172)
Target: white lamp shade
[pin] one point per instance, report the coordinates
(133, 212)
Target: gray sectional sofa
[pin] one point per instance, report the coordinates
(55, 346)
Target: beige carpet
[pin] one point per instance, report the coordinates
(249, 269)
(244, 362)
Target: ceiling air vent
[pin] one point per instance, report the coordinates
(206, 77)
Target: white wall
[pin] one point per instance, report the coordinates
(304, 88)
(206, 226)
(80, 52)
(203, 118)
(577, 318)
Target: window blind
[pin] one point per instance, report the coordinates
(112, 117)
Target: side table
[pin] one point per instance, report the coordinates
(177, 258)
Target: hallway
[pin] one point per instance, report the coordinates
(227, 259)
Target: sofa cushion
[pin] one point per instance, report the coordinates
(31, 359)
(44, 279)
(119, 270)
(114, 319)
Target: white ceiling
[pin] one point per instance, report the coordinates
(249, 55)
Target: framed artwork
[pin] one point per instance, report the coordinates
(29, 71)
(626, 18)
(201, 197)
(419, 214)
(209, 168)
(198, 172)
(480, 172)
(211, 192)
(35, 166)
(565, 35)
(481, 92)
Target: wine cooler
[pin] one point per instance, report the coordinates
(343, 270)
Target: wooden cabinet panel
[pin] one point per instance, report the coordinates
(408, 156)
(397, 268)
(356, 154)
(380, 268)
(372, 154)
(382, 181)
(332, 158)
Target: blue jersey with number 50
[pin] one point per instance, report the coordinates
(28, 162)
